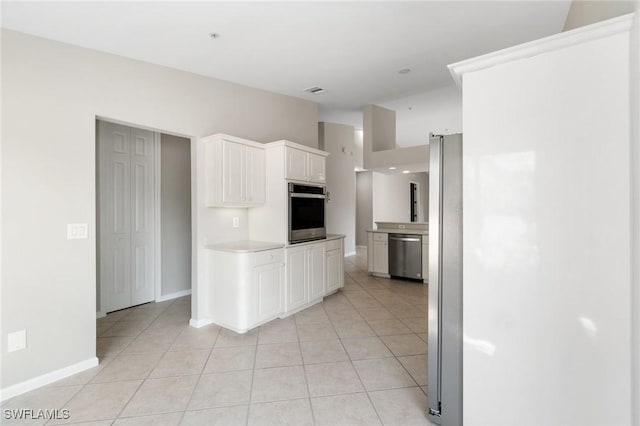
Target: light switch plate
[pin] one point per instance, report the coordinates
(77, 231)
(16, 340)
(236, 222)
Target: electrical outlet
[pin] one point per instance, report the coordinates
(236, 222)
(77, 231)
(16, 340)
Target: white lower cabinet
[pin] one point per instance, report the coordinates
(316, 259)
(246, 288)
(378, 261)
(305, 281)
(249, 289)
(335, 266)
(268, 280)
(297, 289)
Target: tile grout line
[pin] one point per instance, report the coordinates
(193, 391)
(151, 370)
(253, 376)
(90, 382)
(396, 356)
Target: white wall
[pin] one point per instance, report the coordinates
(635, 199)
(339, 141)
(437, 111)
(392, 196)
(364, 206)
(175, 216)
(358, 153)
(584, 12)
(378, 145)
(51, 95)
(547, 237)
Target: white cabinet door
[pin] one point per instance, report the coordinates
(335, 275)
(268, 288)
(316, 271)
(254, 176)
(370, 264)
(297, 294)
(296, 164)
(380, 257)
(233, 173)
(316, 168)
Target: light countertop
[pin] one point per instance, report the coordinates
(400, 231)
(245, 246)
(329, 238)
(248, 246)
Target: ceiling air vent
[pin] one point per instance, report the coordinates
(315, 90)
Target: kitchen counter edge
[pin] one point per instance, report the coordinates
(249, 246)
(400, 231)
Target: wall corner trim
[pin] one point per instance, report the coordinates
(197, 323)
(47, 378)
(548, 44)
(175, 295)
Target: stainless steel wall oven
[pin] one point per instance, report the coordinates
(306, 212)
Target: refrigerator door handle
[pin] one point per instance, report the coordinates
(435, 278)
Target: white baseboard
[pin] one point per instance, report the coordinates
(197, 323)
(353, 253)
(45, 379)
(175, 295)
(100, 314)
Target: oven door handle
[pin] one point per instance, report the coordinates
(296, 195)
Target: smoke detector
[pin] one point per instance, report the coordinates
(315, 90)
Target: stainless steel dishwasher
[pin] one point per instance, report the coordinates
(405, 255)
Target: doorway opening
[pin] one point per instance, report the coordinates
(414, 200)
(143, 209)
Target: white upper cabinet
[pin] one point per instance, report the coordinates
(304, 166)
(235, 173)
(233, 165)
(254, 176)
(296, 164)
(316, 168)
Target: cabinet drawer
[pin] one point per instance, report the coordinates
(380, 236)
(333, 244)
(268, 256)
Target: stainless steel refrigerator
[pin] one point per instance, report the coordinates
(444, 353)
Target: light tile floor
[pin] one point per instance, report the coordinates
(358, 358)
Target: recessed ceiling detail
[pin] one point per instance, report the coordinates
(315, 90)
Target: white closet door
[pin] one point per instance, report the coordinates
(114, 186)
(142, 216)
(126, 214)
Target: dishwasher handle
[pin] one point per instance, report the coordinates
(400, 237)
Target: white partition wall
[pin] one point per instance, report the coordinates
(547, 231)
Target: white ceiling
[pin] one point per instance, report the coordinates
(353, 49)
